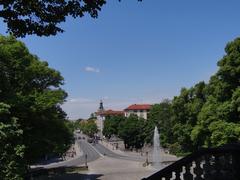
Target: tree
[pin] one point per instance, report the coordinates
(32, 92)
(12, 165)
(131, 131)
(224, 132)
(186, 108)
(73, 124)
(89, 127)
(160, 115)
(219, 119)
(111, 125)
(43, 18)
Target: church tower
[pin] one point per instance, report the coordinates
(101, 108)
(100, 118)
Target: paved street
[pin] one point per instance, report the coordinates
(105, 163)
(106, 168)
(93, 152)
(103, 150)
(118, 169)
(86, 148)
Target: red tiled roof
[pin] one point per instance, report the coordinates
(139, 107)
(110, 112)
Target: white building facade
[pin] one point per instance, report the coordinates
(141, 110)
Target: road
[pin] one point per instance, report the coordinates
(93, 152)
(105, 151)
(87, 149)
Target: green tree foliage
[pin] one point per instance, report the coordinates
(70, 125)
(111, 125)
(12, 165)
(224, 132)
(219, 119)
(43, 18)
(131, 131)
(160, 115)
(89, 127)
(73, 124)
(186, 108)
(32, 92)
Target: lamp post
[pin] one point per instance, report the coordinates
(147, 158)
(86, 160)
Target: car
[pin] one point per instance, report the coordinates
(90, 140)
(78, 131)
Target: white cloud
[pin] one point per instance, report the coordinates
(79, 100)
(91, 69)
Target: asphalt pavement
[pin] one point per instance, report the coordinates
(87, 149)
(106, 152)
(92, 152)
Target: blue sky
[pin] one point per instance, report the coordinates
(138, 52)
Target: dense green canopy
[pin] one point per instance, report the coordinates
(219, 118)
(89, 127)
(43, 18)
(131, 131)
(31, 119)
(111, 125)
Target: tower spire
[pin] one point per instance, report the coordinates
(101, 108)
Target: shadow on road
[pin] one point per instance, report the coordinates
(72, 176)
(62, 173)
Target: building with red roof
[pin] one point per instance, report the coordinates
(110, 113)
(101, 115)
(141, 110)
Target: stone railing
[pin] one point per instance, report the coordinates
(222, 163)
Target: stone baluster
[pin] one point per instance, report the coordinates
(198, 171)
(207, 167)
(227, 166)
(217, 166)
(168, 176)
(235, 164)
(188, 175)
(178, 174)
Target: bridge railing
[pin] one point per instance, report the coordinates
(222, 163)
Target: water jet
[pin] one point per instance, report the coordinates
(156, 156)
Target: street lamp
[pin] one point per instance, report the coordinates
(147, 161)
(86, 160)
(147, 158)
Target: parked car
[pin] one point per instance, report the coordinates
(90, 140)
(78, 131)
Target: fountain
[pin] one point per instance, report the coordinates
(156, 157)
